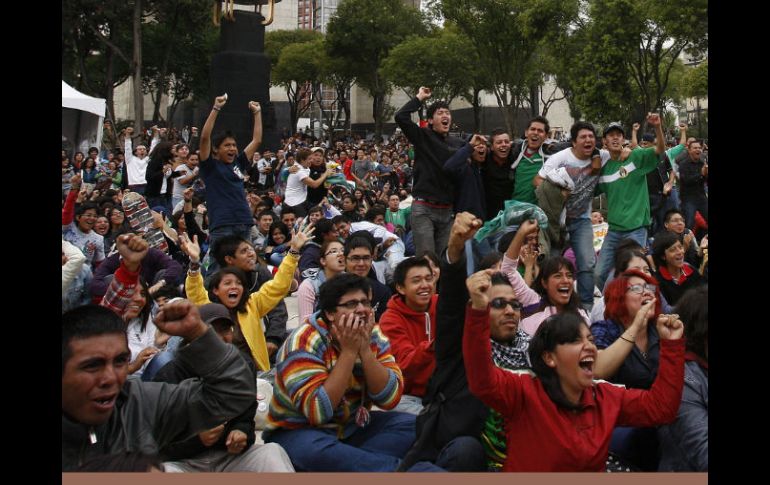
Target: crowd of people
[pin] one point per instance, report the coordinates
(457, 299)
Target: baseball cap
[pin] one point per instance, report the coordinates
(649, 137)
(317, 149)
(211, 312)
(613, 126)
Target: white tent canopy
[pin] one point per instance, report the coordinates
(83, 126)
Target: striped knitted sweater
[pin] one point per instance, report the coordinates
(303, 364)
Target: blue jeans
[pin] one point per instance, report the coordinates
(209, 265)
(377, 447)
(607, 253)
(581, 235)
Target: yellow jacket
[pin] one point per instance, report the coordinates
(259, 304)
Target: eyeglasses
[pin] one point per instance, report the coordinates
(353, 304)
(360, 259)
(333, 251)
(500, 303)
(639, 289)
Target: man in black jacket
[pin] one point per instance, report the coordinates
(693, 174)
(433, 189)
(104, 413)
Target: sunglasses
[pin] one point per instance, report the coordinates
(500, 303)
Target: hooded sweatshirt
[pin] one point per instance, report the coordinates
(411, 335)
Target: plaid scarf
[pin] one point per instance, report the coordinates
(514, 355)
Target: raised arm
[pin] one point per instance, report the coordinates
(611, 357)
(256, 137)
(208, 127)
(634, 140)
(660, 138)
(403, 116)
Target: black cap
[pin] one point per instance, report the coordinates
(211, 312)
(614, 126)
(649, 137)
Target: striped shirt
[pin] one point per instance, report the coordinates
(303, 364)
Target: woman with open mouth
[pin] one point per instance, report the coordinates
(228, 287)
(554, 289)
(560, 420)
(674, 275)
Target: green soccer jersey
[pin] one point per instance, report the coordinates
(399, 218)
(625, 183)
(523, 190)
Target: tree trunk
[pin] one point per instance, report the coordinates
(534, 100)
(378, 108)
(137, 70)
(109, 87)
(476, 110)
(162, 85)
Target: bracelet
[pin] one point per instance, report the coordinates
(293, 252)
(629, 341)
(215, 108)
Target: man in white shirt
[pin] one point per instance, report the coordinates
(298, 182)
(137, 159)
(572, 170)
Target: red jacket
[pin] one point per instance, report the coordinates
(545, 438)
(408, 332)
(347, 166)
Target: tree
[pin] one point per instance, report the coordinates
(297, 71)
(506, 35)
(178, 58)
(333, 73)
(629, 50)
(277, 40)
(363, 33)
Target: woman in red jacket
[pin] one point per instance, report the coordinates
(561, 420)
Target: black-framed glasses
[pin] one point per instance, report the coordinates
(360, 259)
(639, 289)
(500, 303)
(353, 304)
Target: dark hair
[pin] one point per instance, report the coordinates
(433, 257)
(266, 212)
(372, 213)
(490, 260)
(663, 240)
(497, 132)
(337, 219)
(144, 315)
(399, 274)
(168, 291)
(220, 137)
(288, 210)
(333, 289)
(548, 267)
(358, 242)
(500, 279)
(86, 322)
(437, 106)
(671, 212)
(555, 330)
(283, 228)
(315, 208)
(217, 278)
(540, 119)
(125, 462)
(623, 258)
(695, 141)
(88, 205)
(580, 125)
(226, 246)
(693, 310)
(161, 153)
(322, 228)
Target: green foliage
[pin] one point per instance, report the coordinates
(277, 40)
(621, 60)
(695, 82)
(444, 61)
(297, 64)
(507, 36)
(362, 33)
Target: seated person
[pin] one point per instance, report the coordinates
(228, 447)
(410, 324)
(330, 372)
(101, 407)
